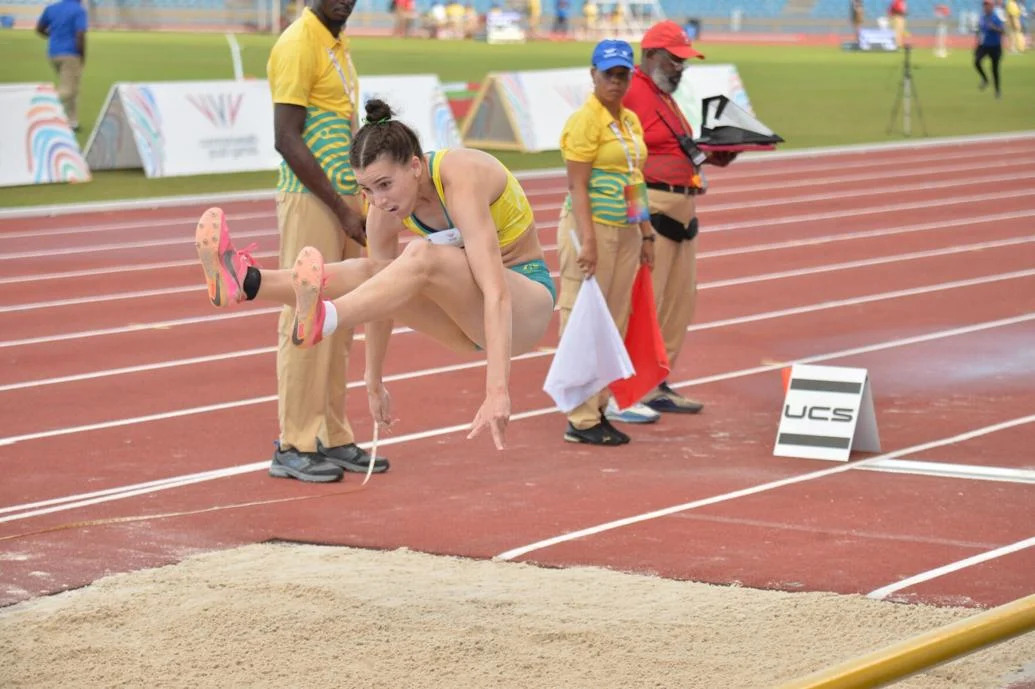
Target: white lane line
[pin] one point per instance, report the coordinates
(185, 241)
(876, 190)
(141, 224)
(963, 221)
(884, 592)
(738, 320)
(879, 175)
(749, 279)
(137, 327)
(950, 470)
(865, 234)
(173, 481)
(764, 223)
(730, 187)
(755, 490)
(946, 148)
(836, 165)
(990, 180)
(113, 270)
(863, 263)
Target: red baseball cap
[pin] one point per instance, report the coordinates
(669, 36)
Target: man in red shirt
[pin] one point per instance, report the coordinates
(673, 179)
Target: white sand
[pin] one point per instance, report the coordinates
(311, 616)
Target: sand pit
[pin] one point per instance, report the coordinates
(309, 616)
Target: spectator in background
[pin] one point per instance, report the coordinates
(897, 11)
(603, 149)
(314, 88)
(436, 19)
(1014, 31)
(63, 24)
(673, 180)
(855, 14)
(456, 15)
(560, 21)
(404, 11)
(990, 45)
(535, 16)
(591, 15)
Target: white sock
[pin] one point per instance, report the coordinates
(330, 318)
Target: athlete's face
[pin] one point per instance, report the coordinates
(390, 186)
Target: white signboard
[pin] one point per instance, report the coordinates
(203, 127)
(526, 111)
(827, 412)
(185, 128)
(417, 100)
(877, 39)
(704, 81)
(36, 144)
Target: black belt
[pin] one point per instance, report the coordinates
(674, 188)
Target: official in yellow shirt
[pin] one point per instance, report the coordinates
(314, 89)
(603, 148)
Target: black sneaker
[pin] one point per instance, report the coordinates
(594, 435)
(666, 400)
(622, 436)
(351, 457)
(305, 466)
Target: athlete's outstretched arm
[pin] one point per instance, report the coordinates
(468, 195)
(382, 243)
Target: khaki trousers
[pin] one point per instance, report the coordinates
(311, 382)
(69, 69)
(618, 258)
(675, 272)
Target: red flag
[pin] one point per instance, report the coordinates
(644, 343)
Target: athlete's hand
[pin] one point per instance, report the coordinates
(380, 405)
(494, 414)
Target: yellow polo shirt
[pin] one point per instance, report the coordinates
(588, 137)
(311, 68)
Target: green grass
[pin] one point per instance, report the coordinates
(812, 96)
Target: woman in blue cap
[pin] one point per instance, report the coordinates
(603, 149)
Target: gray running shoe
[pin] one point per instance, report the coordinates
(305, 466)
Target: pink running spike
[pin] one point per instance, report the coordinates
(308, 280)
(225, 267)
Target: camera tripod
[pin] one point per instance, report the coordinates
(905, 97)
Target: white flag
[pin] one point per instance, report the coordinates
(591, 353)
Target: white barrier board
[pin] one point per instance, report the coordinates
(36, 144)
(202, 127)
(185, 128)
(526, 111)
(419, 101)
(827, 412)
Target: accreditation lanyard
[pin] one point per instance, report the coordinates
(635, 193)
(341, 72)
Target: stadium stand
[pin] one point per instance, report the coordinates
(747, 16)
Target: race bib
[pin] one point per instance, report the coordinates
(447, 238)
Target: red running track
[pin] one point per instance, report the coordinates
(124, 396)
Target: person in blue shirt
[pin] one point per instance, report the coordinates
(64, 25)
(989, 44)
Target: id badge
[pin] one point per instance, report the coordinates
(636, 210)
(450, 237)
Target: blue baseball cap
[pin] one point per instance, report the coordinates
(611, 53)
